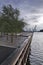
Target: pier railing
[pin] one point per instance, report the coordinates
(22, 54)
(22, 57)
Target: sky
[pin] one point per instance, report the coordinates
(30, 10)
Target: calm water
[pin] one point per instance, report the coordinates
(36, 52)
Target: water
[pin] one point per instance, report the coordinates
(36, 52)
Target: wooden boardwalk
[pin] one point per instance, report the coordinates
(20, 48)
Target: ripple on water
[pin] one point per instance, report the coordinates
(36, 56)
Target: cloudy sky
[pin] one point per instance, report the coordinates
(31, 10)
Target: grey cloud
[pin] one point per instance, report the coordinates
(34, 11)
(36, 3)
(30, 9)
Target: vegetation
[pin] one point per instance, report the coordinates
(10, 22)
(41, 30)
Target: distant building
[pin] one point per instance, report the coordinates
(41, 30)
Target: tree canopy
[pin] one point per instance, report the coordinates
(9, 20)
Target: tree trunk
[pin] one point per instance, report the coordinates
(1, 34)
(7, 35)
(15, 35)
(11, 37)
(4, 33)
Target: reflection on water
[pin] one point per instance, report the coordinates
(28, 60)
(36, 56)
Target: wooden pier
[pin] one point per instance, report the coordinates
(19, 57)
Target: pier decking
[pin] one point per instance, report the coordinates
(16, 53)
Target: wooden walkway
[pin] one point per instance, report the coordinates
(20, 51)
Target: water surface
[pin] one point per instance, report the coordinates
(36, 52)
